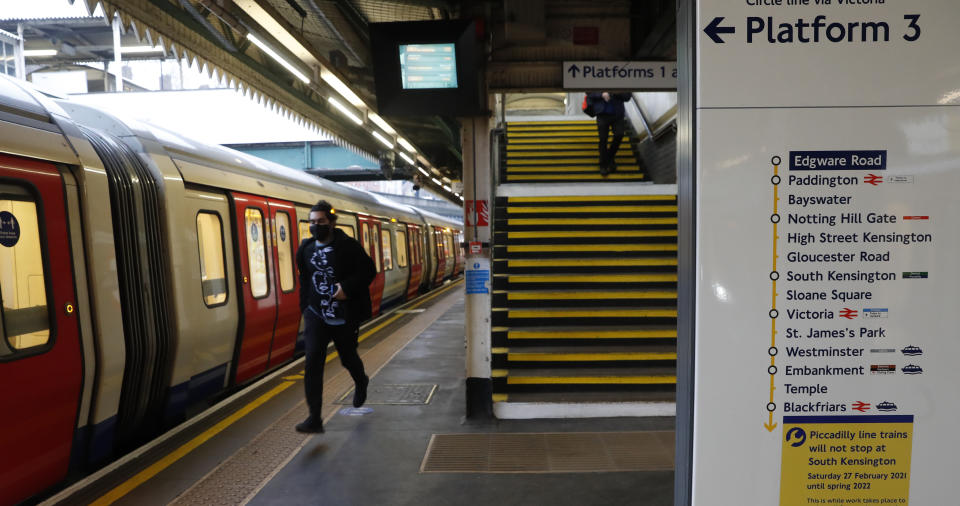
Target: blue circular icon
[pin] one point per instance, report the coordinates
(254, 232)
(9, 229)
(796, 433)
(283, 233)
(476, 265)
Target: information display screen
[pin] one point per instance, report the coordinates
(428, 66)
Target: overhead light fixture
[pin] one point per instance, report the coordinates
(335, 83)
(273, 54)
(343, 110)
(405, 157)
(425, 173)
(141, 49)
(435, 180)
(406, 145)
(39, 52)
(386, 142)
(374, 117)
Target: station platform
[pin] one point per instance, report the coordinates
(410, 443)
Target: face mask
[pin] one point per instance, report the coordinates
(320, 232)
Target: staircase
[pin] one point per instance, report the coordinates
(585, 286)
(563, 152)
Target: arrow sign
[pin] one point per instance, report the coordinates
(573, 70)
(713, 29)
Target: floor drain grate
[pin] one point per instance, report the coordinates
(412, 393)
(557, 452)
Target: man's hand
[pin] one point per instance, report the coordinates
(339, 295)
(606, 96)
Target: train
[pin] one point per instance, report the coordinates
(145, 274)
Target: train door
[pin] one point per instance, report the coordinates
(441, 255)
(283, 216)
(40, 354)
(370, 239)
(259, 312)
(416, 262)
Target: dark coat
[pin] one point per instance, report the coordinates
(352, 268)
(613, 107)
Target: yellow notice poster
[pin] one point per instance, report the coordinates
(846, 460)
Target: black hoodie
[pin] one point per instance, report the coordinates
(352, 268)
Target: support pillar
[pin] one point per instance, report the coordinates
(118, 69)
(477, 186)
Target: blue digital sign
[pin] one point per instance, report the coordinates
(428, 66)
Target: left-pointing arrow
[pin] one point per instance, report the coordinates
(714, 29)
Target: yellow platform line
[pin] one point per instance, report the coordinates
(531, 248)
(538, 234)
(590, 209)
(591, 198)
(592, 221)
(588, 169)
(592, 313)
(583, 295)
(588, 334)
(575, 177)
(587, 278)
(589, 357)
(592, 262)
(591, 380)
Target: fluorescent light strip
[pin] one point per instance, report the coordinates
(382, 139)
(141, 49)
(425, 173)
(374, 117)
(266, 49)
(341, 88)
(405, 157)
(343, 110)
(39, 52)
(406, 145)
(435, 180)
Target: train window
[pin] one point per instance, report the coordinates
(374, 247)
(385, 242)
(24, 317)
(348, 229)
(447, 245)
(368, 244)
(256, 252)
(284, 251)
(401, 249)
(213, 278)
(304, 228)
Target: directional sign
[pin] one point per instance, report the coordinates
(620, 75)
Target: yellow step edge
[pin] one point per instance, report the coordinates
(511, 162)
(498, 373)
(539, 152)
(592, 313)
(554, 122)
(524, 169)
(587, 334)
(533, 128)
(550, 135)
(582, 295)
(589, 357)
(551, 140)
(591, 262)
(538, 234)
(590, 198)
(591, 380)
(586, 210)
(499, 351)
(557, 248)
(587, 278)
(519, 145)
(622, 176)
(592, 221)
(500, 397)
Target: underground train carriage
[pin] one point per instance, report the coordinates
(120, 263)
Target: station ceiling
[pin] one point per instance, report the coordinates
(526, 42)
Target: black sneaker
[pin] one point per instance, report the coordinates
(604, 170)
(309, 426)
(612, 167)
(360, 393)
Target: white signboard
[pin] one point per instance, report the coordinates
(620, 75)
(828, 159)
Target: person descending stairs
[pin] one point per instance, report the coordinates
(564, 152)
(584, 305)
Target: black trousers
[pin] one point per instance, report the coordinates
(317, 335)
(605, 123)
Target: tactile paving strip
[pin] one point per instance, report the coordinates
(559, 452)
(397, 394)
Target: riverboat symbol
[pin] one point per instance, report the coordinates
(911, 369)
(886, 406)
(912, 351)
